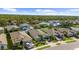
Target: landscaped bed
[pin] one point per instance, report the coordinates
(43, 47)
(38, 44)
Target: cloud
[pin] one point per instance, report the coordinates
(73, 10)
(60, 12)
(40, 11)
(10, 9)
(44, 10)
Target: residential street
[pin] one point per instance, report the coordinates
(68, 46)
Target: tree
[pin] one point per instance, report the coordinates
(53, 38)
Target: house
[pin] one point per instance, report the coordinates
(59, 35)
(3, 40)
(34, 34)
(21, 36)
(71, 33)
(25, 27)
(54, 23)
(45, 35)
(11, 28)
(74, 21)
(50, 32)
(39, 35)
(68, 32)
(74, 29)
(44, 24)
(54, 32)
(12, 22)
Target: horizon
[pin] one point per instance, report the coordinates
(41, 11)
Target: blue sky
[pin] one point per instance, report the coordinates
(41, 11)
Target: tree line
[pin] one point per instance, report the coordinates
(32, 19)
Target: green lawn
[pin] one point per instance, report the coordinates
(9, 41)
(77, 26)
(38, 44)
(44, 29)
(69, 40)
(43, 47)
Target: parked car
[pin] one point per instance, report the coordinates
(28, 45)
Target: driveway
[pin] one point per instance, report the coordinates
(68, 46)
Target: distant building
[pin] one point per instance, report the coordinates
(11, 28)
(44, 23)
(25, 27)
(74, 29)
(12, 22)
(54, 23)
(3, 40)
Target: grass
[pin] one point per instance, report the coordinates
(44, 29)
(77, 26)
(19, 47)
(39, 44)
(9, 41)
(69, 40)
(43, 47)
(54, 40)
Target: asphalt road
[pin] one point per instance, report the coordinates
(68, 46)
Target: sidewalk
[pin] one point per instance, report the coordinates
(50, 44)
(53, 44)
(39, 47)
